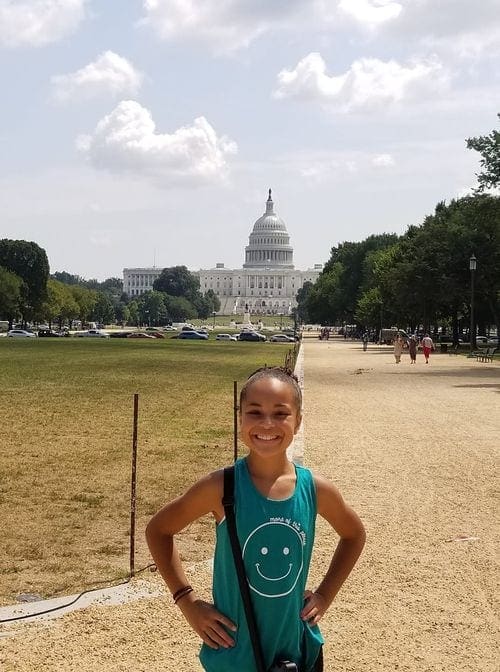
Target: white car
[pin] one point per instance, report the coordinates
(225, 337)
(282, 338)
(20, 333)
(92, 333)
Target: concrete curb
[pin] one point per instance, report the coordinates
(111, 596)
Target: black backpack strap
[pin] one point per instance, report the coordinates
(228, 504)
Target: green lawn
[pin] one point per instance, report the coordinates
(66, 418)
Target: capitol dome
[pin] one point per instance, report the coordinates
(269, 243)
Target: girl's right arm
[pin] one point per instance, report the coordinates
(203, 497)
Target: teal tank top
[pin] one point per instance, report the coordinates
(276, 539)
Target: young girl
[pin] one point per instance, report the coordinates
(276, 503)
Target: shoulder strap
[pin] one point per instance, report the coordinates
(228, 504)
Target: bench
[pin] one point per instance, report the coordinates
(485, 355)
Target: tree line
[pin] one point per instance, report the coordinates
(29, 293)
(421, 279)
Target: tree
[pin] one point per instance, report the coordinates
(152, 308)
(103, 310)
(344, 278)
(67, 278)
(179, 309)
(133, 309)
(85, 300)
(302, 299)
(10, 294)
(178, 281)
(29, 262)
(489, 148)
(214, 301)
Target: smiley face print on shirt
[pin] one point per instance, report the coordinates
(273, 559)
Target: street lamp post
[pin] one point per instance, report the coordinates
(472, 333)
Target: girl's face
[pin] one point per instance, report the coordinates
(269, 417)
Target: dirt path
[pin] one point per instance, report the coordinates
(415, 450)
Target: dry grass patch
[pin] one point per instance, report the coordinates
(66, 415)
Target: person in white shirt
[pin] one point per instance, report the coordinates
(427, 346)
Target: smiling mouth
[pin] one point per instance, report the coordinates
(267, 578)
(265, 437)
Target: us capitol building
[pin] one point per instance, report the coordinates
(267, 284)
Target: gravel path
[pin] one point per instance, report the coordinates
(415, 450)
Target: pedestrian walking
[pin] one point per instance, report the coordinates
(365, 341)
(427, 347)
(412, 348)
(398, 348)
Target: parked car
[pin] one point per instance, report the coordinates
(169, 327)
(193, 335)
(251, 336)
(49, 333)
(156, 334)
(282, 338)
(225, 337)
(20, 333)
(493, 340)
(141, 334)
(92, 333)
(292, 333)
(188, 327)
(120, 334)
(481, 340)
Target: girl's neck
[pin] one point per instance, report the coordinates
(269, 469)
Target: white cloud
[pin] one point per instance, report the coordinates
(338, 166)
(108, 74)
(368, 83)
(460, 28)
(371, 13)
(383, 160)
(226, 25)
(126, 141)
(101, 238)
(35, 23)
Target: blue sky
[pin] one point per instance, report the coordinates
(150, 130)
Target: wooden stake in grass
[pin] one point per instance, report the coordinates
(133, 487)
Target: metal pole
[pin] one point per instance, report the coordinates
(133, 487)
(472, 336)
(235, 419)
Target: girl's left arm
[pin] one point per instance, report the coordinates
(349, 527)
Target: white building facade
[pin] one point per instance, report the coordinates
(267, 284)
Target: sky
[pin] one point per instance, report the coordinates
(147, 132)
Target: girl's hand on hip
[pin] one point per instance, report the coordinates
(314, 607)
(208, 623)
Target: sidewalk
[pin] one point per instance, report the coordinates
(414, 449)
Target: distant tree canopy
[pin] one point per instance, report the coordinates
(420, 278)
(489, 148)
(178, 282)
(10, 294)
(29, 262)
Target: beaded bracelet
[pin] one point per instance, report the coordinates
(185, 590)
